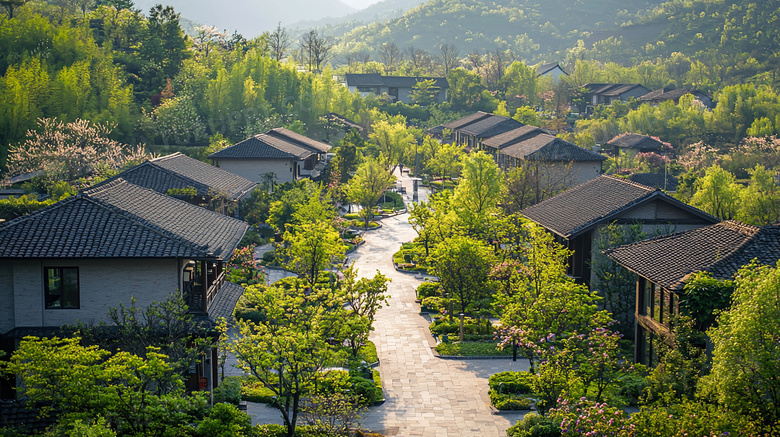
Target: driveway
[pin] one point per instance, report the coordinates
(425, 395)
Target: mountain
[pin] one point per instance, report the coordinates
(533, 29)
(379, 11)
(360, 4)
(252, 17)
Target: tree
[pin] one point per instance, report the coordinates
(390, 55)
(363, 297)
(745, 375)
(279, 42)
(449, 57)
(478, 192)
(316, 49)
(419, 217)
(136, 396)
(761, 199)
(424, 92)
(371, 180)
(311, 247)
(717, 193)
(392, 140)
(285, 348)
(463, 265)
(448, 160)
(67, 151)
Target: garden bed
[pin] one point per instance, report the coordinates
(471, 349)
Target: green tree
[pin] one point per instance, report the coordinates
(760, 201)
(362, 298)
(285, 348)
(371, 180)
(419, 216)
(311, 247)
(467, 92)
(478, 192)
(137, 396)
(463, 266)
(447, 161)
(424, 92)
(717, 193)
(745, 375)
(393, 140)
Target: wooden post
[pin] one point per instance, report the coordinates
(204, 285)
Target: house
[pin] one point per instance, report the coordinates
(631, 144)
(664, 264)
(72, 261)
(666, 182)
(288, 155)
(173, 173)
(655, 97)
(576, 216)
(560, 160)
(606, 93)
(399, 88)
(552, 69)
(469, 131)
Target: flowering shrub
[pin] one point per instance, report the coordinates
(591, 419)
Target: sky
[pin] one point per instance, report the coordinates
(360, 4)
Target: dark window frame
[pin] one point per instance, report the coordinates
(48, 302)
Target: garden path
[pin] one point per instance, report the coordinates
(425, 395)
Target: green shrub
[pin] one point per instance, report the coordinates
(366, 390)
(513, 404)
(368, 353)
(275, 430)
(428, 289)
(228, 391)
(512, 382)
(225, 420)
(254, 391)
(334, 381)
(632, 388)
(534, 425)
(436, 304)
(470, 349)
(470, 325)
(269, 258)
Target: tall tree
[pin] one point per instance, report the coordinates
(449, 57)
(478, 192)
(393, 141)
(316, 50)
(311, 247)
(717, 193)
(371, 180)
(745, 373)
(279, 42)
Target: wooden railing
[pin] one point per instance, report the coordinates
(211, 294)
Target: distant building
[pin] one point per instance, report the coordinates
(552, 69)
(606, 93)
(655, 97)
(471, 130)
(399, 88)
(288, 155)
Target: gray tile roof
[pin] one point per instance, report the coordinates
(534, 144)
(121, 220)
(673, 94)
(277, 143)
(655, 180)
(611, 89)
(225, 302)
(720, 249)
(483, 125)
(181, 171)
(636, 141)
(596, 202)
(377, 80)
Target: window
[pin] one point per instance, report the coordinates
(61, 287)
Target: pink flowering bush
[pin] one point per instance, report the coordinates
(591, 419)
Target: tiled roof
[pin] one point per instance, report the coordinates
(720, 249)
(595, 202)
(674, 94)
(536, 145)
(546, 68)
(19, 416)
(483, 125)
(181, 171)
(611, 89)
(636, 141)
(121, 220)
(277, 143)
(225, 302)
(655, 180)
(333, 117)
(375, 80)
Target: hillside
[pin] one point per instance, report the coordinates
(533, 29)
(381, 11)
(251, 17)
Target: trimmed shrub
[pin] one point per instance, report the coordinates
(254, 391)
(512, 382)
(229, 391)
(534, 425)
(366, 390)
(428, 289)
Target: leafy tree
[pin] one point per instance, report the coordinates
(363, 297)
(311, 247)
(136, 396)
(463, 266)
(478, 192)
(717, 193)
(467, 92)
(285, 348)
(419, 216)
(745, 376)
(393, 140)
(369, 183)
(760, 201)
(447, 161)
(704, 297)
(424, 92)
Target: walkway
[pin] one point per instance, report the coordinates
(425, 395)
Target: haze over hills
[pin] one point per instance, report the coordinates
(252, 17)
(378, 11)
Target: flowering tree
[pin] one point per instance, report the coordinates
(68, 151)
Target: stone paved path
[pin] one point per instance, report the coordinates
(425, 395)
